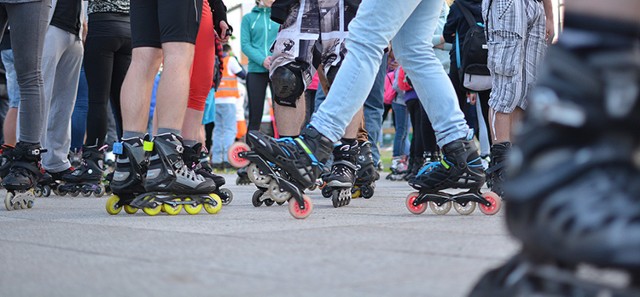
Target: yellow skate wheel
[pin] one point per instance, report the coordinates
(152, 211)
(356, 194)
(192, 208)
(130, 209)
(112, 206)
(213, 209)
(172, 210)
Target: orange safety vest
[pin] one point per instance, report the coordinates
(228, 84)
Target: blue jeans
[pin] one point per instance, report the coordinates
(373, 110)
(79, 115)
(401, 141)
(13, 89)
(224, 134)
(412, 24)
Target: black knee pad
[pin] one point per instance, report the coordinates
(288, 84)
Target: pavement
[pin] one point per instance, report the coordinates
(67, 246)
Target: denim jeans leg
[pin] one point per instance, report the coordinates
(79, 116)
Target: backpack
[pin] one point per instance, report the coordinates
(472, 54)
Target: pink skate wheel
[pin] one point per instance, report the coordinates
(235, 160)
(496, 203)
(415, 209)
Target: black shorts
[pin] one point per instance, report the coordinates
(154, 22)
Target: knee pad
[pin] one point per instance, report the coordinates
(288, 84)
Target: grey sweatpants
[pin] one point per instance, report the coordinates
(28, 23)
(61, 64)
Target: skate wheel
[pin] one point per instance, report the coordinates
(7, 201)
(130, 209)
(268, 202)
(296, 212)
(170, 209)
(255, 199)
(254, 175)
(99, 191)
(192, 208)
(112, 206)
(74, 193)
(232, 154)
(37, 191)
(215, 207)
(415, 209)
(367, 192)
(30, 204)
(355, 193)
(86, 193)
(59, 192)
(496, 203)
(226, 195)
(440, 209)
(280, 202)
(153, 211)
(326, 192)
(465, 210)
(46, 191)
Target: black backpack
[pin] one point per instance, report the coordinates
(472, 54)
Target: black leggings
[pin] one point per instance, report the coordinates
(424, 138)
(106, 60)
(256, 90)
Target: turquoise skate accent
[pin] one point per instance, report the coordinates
(117, 148)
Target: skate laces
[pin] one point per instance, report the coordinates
(298, 142)
(446, 164)
(189, 173)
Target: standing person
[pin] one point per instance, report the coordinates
(517, 35)
(258, 34)
(61, 63)
(28, 20)
(573, 195)
(162, 31)
(107, 56)
(411, 27)
(227, 95)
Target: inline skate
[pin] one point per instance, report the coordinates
(399, 166)
(170, 185)
(283, 168)
(5, 159)
(498, 163)
(366, 174)
(460, 168)
(340, 180)
(126, 181)
(87, 178)
(574, 185)
(197, 159)
(23, 176)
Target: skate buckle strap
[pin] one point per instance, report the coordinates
(147, 146)
(117, 148)
(314, 161)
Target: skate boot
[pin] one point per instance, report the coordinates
(399, 166)
(460, 168)
(23, 175)
(5, 159)
(196, 158)
(126, 180)
(243, 177)
(288, 166)
(497, 165)
(87, 178)
(573, 188)
(170, 184)
(342, 176)
(366, 175)
(415, 164)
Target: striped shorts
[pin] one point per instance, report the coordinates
(517, 43)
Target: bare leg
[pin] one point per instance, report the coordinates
(9, 128)
(352, 129)
(192, 126)
(173, 89)
(289, 120)
(137, 86)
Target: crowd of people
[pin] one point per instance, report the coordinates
(457, 74)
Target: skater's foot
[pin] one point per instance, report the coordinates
(25, 171)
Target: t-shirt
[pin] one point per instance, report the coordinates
(66, 16)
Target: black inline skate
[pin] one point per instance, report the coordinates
(23, 175)
(496, 173)
(574, 186)
(5, 159)
(284, 168)
(243, 177)
(399, 167)
(171, 185)
(340, 180)
(127, 178)
(87, 178)
(460, 168)
(197, 159)
(366, 174)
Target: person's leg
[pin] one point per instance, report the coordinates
(99, 56)
(13, 90)
(137, 87)
(201, 78)
(57, 139)
(229, 129)
(256, 90)
(79, 115)
(122, 60)
(373, 110)
(399, 139)
(173, 90)
(29, 23)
